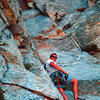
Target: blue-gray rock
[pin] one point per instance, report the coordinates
(9, 49)
(37, 25)
(19, 76)
(86, 28)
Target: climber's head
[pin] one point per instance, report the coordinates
(53, 56)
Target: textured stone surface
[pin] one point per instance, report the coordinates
(38, 25)
(92, 2)
(14, 92)
(21, 77)
(85, 29)
(4, 19)
(8, 12)
(69, 19)
(9, 49)
(2, 26)
(56, 10)
(38, 29)
(14, 5)
(30, 14)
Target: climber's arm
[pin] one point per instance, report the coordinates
(57, 67)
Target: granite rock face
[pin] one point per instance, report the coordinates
(30, 30)
(56, 9)
(87, 27)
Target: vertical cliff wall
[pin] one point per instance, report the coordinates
(30, 30)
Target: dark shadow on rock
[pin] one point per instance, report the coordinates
(91, 49)
(66, 27)
(1, 94)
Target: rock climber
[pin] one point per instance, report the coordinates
(59, 77)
